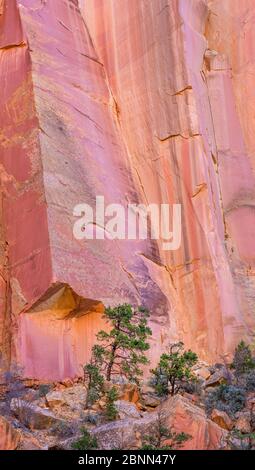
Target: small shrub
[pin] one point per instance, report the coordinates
(86, 442)
(250, 382)
(243, 361)
(228, 398)
(93, 419)
(62, 430)
(16, 388)
(174, 369)
(110, 409)
(240, 441)
(43, 390)
(193, 387)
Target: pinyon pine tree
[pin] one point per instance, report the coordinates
(125, 345)
(174, 369)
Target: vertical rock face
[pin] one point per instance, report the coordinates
(9, 437)
(140, 102)
(176, 70)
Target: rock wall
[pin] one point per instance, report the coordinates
(140, 101)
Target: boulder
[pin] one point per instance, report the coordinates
(219, 377)
(126, 391)
(129, 392)
(243, 424)
(181, 415)
(222, 419)
(9, 437)
(99, 405)
(67, 383)
(251, 401)
(73, 397)
(30, 443)
(127, 409)
(177, 414)
(192, 397)
(202, 373)
(150, 400)
(55, 398)
(147, 389)
(125, 433)
(33, 416)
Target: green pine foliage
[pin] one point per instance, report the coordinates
(86, 442)
(93, 378)
(110, 409)
(125, 345)
(174, 369)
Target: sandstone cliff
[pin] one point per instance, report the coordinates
(147, 101)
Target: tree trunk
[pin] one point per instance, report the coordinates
(173, 387)
(110, 365)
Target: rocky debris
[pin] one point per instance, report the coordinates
(9, 437)
(67, 383)
(126, 391)
(57, 423)
(202, 373)
(32, 415)
(237, 443)
(126, 409)
(146, 388)
(222, 419)
(184, 416)
(99, 405)
(65, 444)
(148, 398)
(73, 397)
(31, 443)
(178, 414)
(149, 401)
(194, 398)
(55, 398)
(93, 417)
(30, 395)
(250, 402)
(220, 376)
(243, 423)
(124, 434)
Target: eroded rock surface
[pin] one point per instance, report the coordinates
(178, 415)
(33, 416)
(9, 437)
(222, 419)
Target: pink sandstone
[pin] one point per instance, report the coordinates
(9, 437)
(148, 101)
